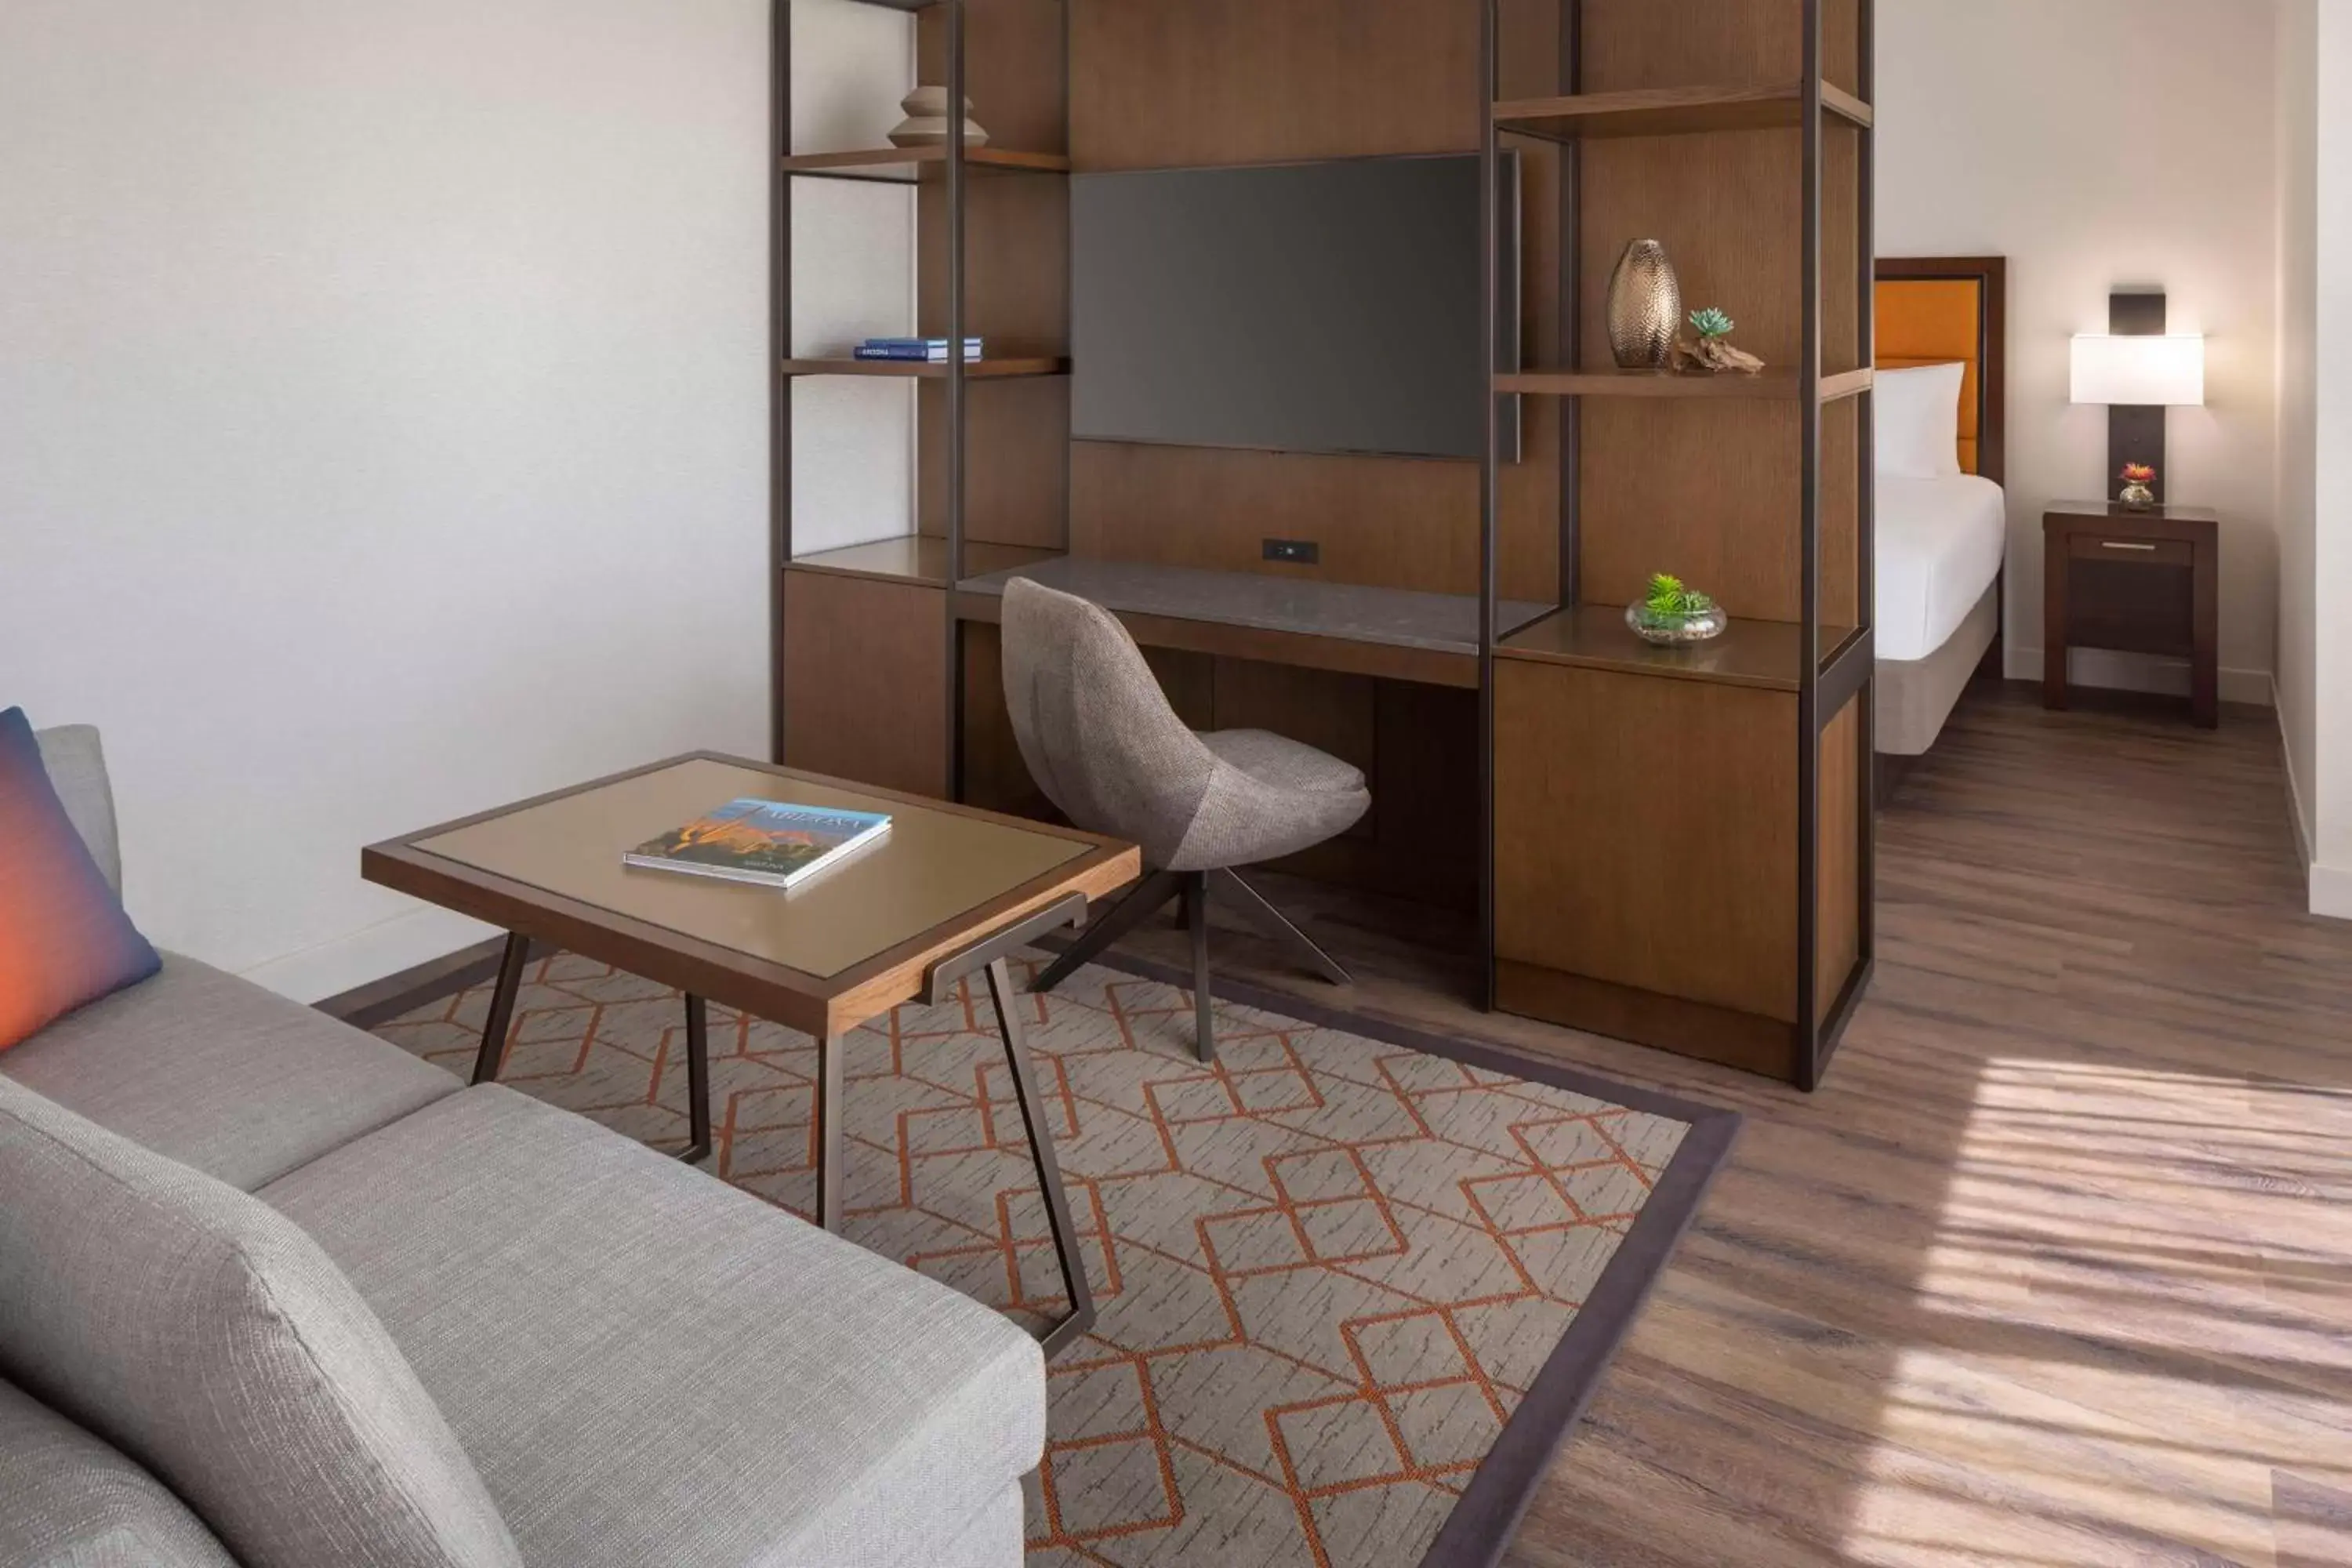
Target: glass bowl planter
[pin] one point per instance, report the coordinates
(1677, 628)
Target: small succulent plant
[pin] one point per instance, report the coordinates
(1669, 596)
(1711, 322)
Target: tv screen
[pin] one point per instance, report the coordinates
(1330, 307)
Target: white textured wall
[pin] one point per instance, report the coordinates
(2097, 144)
(2315, 394)
(383, 425)
(2298, 370)
(853, 277)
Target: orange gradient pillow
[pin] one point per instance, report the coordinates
(64, 939)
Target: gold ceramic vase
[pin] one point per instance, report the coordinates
(1645, 308)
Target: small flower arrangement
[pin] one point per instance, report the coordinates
(1675, 612)
(2137, 478)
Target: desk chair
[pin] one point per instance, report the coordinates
(1105, 746)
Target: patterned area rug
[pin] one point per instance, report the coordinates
(1330, 1270)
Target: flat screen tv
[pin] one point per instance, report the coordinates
(1327, 306)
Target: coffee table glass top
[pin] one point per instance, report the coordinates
(934, 867)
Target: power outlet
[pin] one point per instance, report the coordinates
(1297, 551)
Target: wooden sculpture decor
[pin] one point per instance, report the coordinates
(1711, 352)
(925, 124)
(1645, 307)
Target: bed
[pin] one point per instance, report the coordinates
(1940, 542)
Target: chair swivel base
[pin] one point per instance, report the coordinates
(1155, 891)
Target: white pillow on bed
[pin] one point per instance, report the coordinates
(1917, 417)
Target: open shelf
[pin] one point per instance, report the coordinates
(917, 558)
(975, 369)
(1768, 384)
(1672, 112)
(905, 165)
(1765, 654)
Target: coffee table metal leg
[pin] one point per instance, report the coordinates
(697, 1081)
(828, 1110)
(488, 1060)
(1081, 1315)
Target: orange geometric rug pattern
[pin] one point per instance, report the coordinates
(1328, 1268)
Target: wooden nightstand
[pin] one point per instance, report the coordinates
(2144, 582)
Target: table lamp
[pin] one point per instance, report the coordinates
(2139, 370)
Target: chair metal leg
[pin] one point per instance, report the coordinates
(1254, 907)
(1196, 911)
(1147, 895)
(493, 1054)
(1081, 1315)
(697, 1081)
(827, 1111)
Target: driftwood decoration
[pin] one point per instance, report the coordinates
(1712, 356)
(1711, 353)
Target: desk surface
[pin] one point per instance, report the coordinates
(1394, 618)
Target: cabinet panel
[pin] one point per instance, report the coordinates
(865, 680)
(1646, 834)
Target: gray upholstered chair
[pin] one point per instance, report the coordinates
(1105, 746)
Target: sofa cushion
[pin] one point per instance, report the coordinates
(75, 765)
(64, 939)
(218, 1073)
(68, 1500)
(198, 1331)
(651, 1367)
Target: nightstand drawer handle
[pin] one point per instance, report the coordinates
(2120, 544)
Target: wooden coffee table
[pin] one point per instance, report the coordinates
(948, 894)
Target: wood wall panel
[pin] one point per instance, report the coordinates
(865, 680)
(1185, 83)
(1728, 207)
(1013, 68)
(1837, 936)
(1631, 44)
(1840, 513)
(1016, 460)
(1614, 863)
(1708, 490)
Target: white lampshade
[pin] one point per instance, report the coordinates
(2140, 371)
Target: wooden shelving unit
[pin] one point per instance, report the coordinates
(1766, 655)
(868, 656)
(1783, 385)
(919, 163)
(1673, 111)
(937, 370)
(1682, 842)
(917, 558)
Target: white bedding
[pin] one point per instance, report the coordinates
(1940, 544)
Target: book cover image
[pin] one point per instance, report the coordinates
(762, 841)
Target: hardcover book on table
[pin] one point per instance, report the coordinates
(770, 843)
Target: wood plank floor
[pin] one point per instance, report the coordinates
(2057, 1266)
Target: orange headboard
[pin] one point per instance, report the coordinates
(1939, 310)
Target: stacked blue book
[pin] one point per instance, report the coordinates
(931, 351)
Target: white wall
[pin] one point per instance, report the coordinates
(2099, 143)
(2298, 451)
(382, 426)
(2316, 403)
(853, 277)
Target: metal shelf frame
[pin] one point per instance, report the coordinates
(1823, 695)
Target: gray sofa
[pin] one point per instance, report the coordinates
(273, 1292)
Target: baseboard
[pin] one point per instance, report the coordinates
(2112, 671)
(421, 936)
(2331, 891)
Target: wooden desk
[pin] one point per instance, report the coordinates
(947, 894)
(1392, 632)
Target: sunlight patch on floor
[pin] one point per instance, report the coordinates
(2134, 1304)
